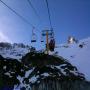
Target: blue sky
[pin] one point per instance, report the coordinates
(69, 17)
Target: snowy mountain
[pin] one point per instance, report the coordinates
(37, 66)
(78, 54)
(33, 69)
(14, 51)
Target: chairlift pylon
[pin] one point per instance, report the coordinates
(50, 41)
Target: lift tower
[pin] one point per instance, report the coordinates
(50, 42)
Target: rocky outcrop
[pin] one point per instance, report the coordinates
(39, 71)
(53, 84)
(53, 73)
(9, 70)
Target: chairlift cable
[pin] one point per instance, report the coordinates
(20, 16)
(49, 13)
(31, 5)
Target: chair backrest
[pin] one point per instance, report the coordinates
(33, 40)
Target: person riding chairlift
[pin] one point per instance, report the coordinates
(52, 45)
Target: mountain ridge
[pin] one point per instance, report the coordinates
(76, 53)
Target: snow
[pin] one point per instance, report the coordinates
(28, 72)
(7, 73)
(45, 74)
(4, 67)
(14, 52)
(79, 57)
(33, 79)
(27, 86)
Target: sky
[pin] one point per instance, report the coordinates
(69, 18)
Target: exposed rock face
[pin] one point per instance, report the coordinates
(14, 51)
(52, 84)
(39, 71)
(9, 70)
(53, 73)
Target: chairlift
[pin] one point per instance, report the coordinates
(51, 41)
(34, 37)
(52, 44)
(52, 35)
(42, 39)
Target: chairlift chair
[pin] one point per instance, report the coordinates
(34, 37)
(42, 38)
(42, 41)
(52, 44)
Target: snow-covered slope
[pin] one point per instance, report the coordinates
(78, 54)
(34, 68)
(14, 51)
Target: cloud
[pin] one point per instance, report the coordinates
(4, 38)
